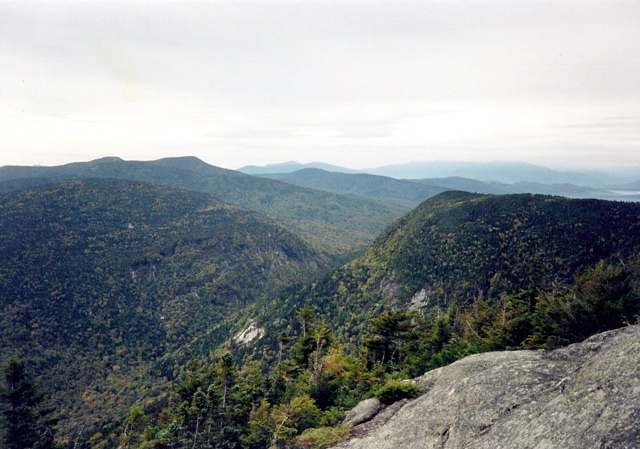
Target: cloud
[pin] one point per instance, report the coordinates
(622, 123)
(355, 82)
(115, 60)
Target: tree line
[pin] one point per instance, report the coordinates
(298, 396)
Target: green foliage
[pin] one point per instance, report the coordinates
(335, 224)
(403, 192)
(604, 297)
(110, 286)
(388, 336)
(299, 414)
(457, 249)
(261, 426)
(213, 407)
(134, 423)
(257, 410)
(118, 284)
(394, 390)
(322, 437)
(27, 424)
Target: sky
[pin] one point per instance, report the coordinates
(355, 83)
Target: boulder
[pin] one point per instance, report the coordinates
(363, 412)
(586, 395)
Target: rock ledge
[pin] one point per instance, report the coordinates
(586, 395)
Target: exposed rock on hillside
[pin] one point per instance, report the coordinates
(249, 333)
(363, 412)
(586, 395)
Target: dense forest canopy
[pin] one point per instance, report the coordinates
(337, 225)
(159, 317)
(101, 278)
(459, 247)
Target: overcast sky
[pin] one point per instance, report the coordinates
(352, 83)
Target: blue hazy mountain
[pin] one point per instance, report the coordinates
(290, 167)
(502, 172)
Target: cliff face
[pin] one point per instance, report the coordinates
(586, 395)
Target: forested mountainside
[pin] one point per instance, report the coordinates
(461, 274)
(102, 279)
(117, 291)
(335, 224)
(396, 191)
(412, 192)
(457, 248)
(560, 189)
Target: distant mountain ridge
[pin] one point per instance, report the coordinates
(397, 191)
(506, 172)
(338, 224)
(290, 167)
(497, 171)
(411, 192)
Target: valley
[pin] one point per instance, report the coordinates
(171, 303)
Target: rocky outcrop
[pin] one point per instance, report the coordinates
(363, 412)
(248, 334)
(586, 395)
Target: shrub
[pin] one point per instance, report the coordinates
(395, 390)
(322, 437)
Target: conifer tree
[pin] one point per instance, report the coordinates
(27, 424)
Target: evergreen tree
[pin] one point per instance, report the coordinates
(387, 337)
(27, 424)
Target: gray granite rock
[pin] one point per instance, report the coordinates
(586, 395)
(363, 412)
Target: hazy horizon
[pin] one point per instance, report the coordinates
(358, 84)
(439, 164)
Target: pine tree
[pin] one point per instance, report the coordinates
(27, 424)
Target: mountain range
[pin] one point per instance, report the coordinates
(292, 166)
(337, 224)
(132, 289)
(498, 171)
(410, 193)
